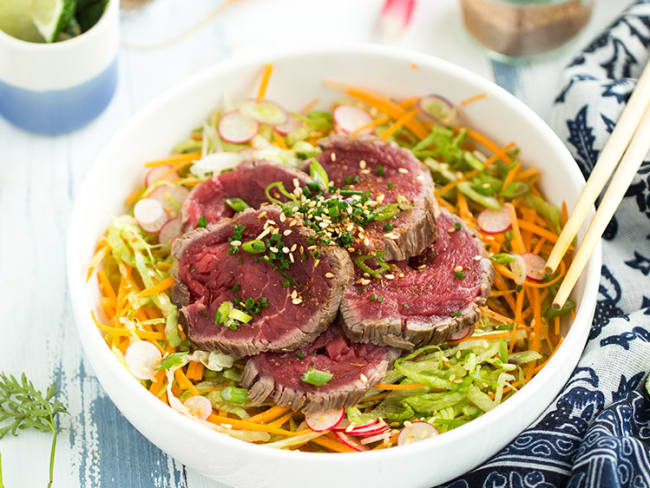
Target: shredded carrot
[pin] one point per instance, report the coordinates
(158, 382)
(470, 100)
(384, 386)
(535, 229)
(491, 146)
(184, 382)
(487, 337)
(331, 444)
(383, 104)
(282, 420)
(195, 370)
(120, 332)
(511, 175)
(134, 196)
(556, 319)
(463, 208)
(564, 213)
(408, 102)
(539, 245)
(157, 288)
(174, 159)
(268, 69)
(539, 368)
(378, 396)
(500, 283)
(509, 274)
(98, 257)
(107, 288)
(248, 425)
(517, 242)
(397, 125)
(373, 123)
(197, 137)
(279, 140)
(268, 415)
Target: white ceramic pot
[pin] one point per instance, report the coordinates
(297, 79)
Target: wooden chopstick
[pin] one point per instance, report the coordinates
(632, 159)
(604, 168)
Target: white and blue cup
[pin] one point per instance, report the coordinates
(59, 87)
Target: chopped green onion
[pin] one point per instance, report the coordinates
(316, 377)
(514, 190)
(388, 226)
(547, 210)
(386, 212)
(234, 395)
(455, 314)
(403, 203)
(254, 247)
(502, 258)
(237, 204)
(460, 274)
(236, 287)
(466, 189)
(222, 312)
(360, 261)
(300, 355)
(280, 186)
(318, 174)
(202, 222)
(380, 170)
(240, 316)
(457, 226)
(552, 313)
(503, 350)
(390, 185)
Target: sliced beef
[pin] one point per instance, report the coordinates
(431, 297)
(247, 181)
(386, 171)
(354, 368)
(208, 274)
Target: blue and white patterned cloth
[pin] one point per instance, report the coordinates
(597, 432)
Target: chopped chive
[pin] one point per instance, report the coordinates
(455, 314)
(380, 298)
(286, 283)
(372, 297)
(457, 226)
(202, 222)
(300, 355)
(388, 226)
(404, 305)
(316, 377)
(236, 288)
(203, 313)
(390, 185)
(380, 170)
(460, 274)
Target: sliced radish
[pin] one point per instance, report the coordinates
(350, 442)
(237, 128)
(342, 425)
(349, 118)
(370, 424)
(461, 334)
(324, 420)
(150, 214)
(375, 438)
(216, 163)
(289, 126)
(142, 357)
(415, 432)
(438, 110)
(170, 197)
(534, 266)
(494, 221)
(158, 172)
(395, 17)
(519, 268)
(170, 231)
(199, 407)
(264, 111)
(369, 429)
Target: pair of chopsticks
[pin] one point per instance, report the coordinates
(629, 144)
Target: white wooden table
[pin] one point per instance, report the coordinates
(40, 176)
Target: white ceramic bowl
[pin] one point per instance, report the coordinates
(297, 79)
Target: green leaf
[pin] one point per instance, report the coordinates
(174, 359)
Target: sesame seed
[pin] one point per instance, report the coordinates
(291, 258)
(274, 249)
(364, 281)
(365, 171)
(235, 243)
(271, 222)
(262, 215)
(366, 241)
(292, 222)
(362, 164)
(363, 378)
(293, 248)
(283, 217)
(333, 156)
(404, 171)
(366, 275)
(287, 232)
(296, 183)
(451, 229)
(285, 250)
(391, 235)
(294, 294)
(478, 257)
(419, 178)
(329, 275)
(316, 263)
(324, 225)
(458, 269)
(311, 248)
(350, 249)
(452, 377)
(380, 197)
(296, 301)
(389, 276)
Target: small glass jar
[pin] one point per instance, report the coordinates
(516, 29)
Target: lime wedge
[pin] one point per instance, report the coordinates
(16, 20)
(52, 16)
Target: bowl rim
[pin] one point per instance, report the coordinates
(202, 434)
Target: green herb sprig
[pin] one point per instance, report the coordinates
(22, 406)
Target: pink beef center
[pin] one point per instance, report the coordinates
(331, 352)
(433, 292)
(210, 273)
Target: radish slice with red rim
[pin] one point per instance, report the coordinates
(494, 221)
(142, 357)
(158, 172)
(461, 334)
(170, 197)
(438, 110)
(199, 407)
(370, 424)
(534, 266)
(264, 111)
(371, 429)
(415, 432)
(324, 420)
(350, 442)
(349, 118)
(170, 231)
(237, 128)
(375, 438)
(289, 126)
(519, 268)
(150, 214)
(342, 425)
